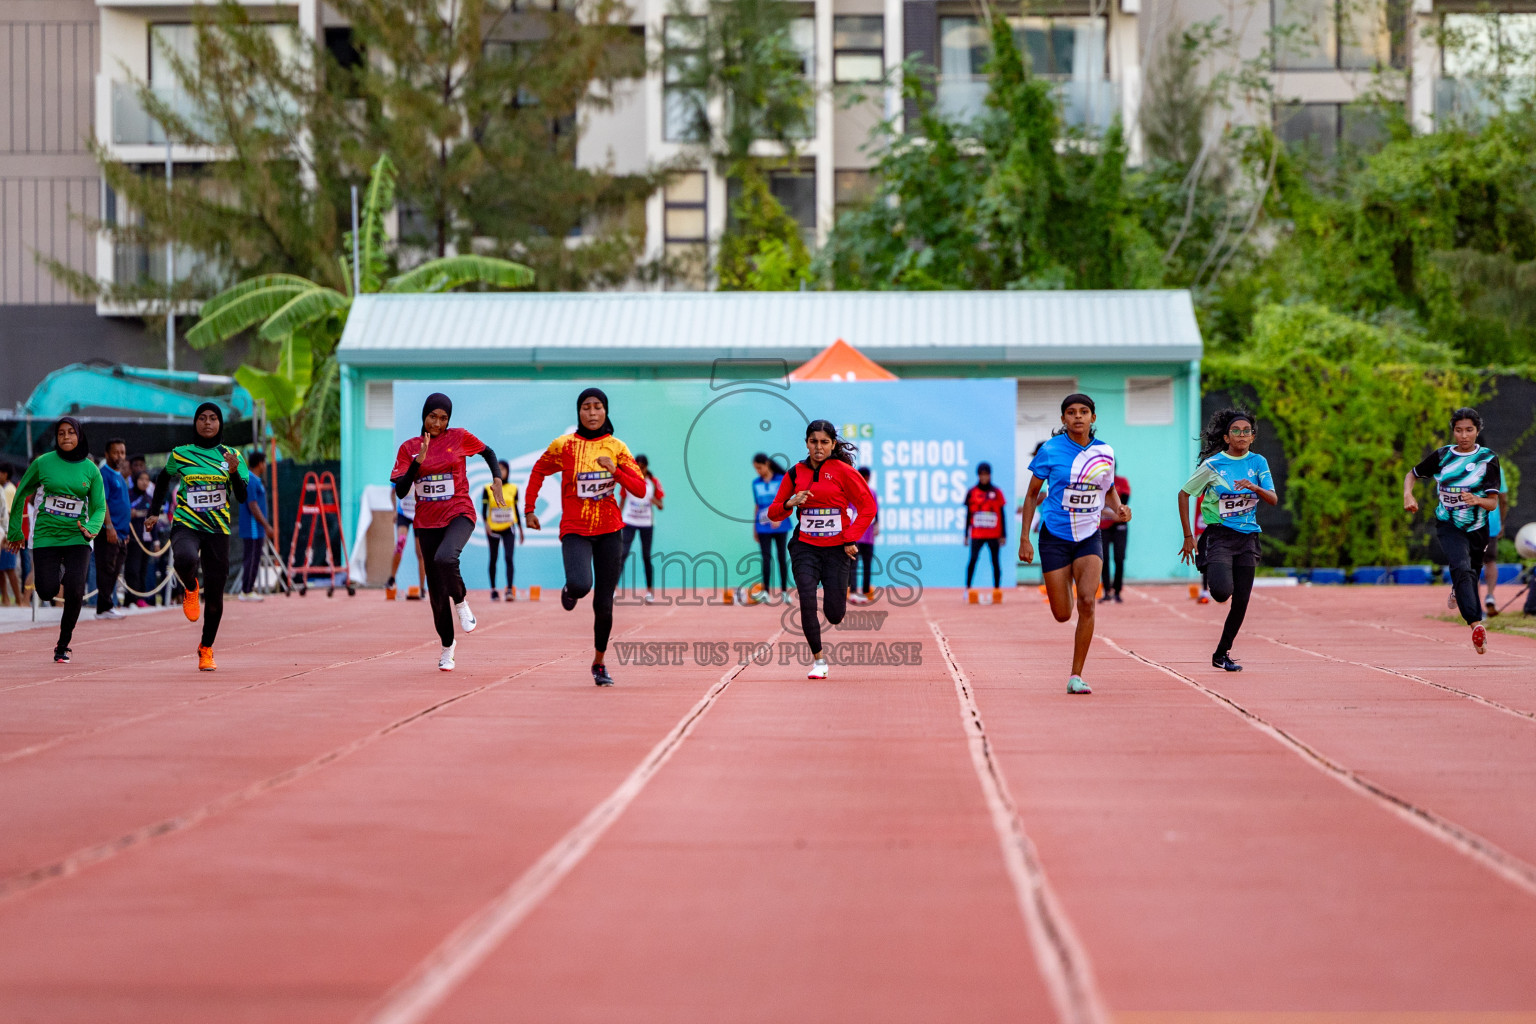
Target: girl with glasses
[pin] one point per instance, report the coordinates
(1230, 481)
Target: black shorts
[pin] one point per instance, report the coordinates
(1233, 547)
(401, 520)
(1491, 552)
(1056, 553)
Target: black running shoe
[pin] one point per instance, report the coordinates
(568, 602)
(1225, 663)
(600, 676)
(495, 596)
(61, 655)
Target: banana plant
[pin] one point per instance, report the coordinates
(304, 320)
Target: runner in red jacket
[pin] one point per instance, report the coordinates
(985, 522)
(823, 489)
(592, 464)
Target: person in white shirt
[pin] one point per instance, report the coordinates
(639, 515)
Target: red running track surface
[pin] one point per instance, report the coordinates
(329, 829)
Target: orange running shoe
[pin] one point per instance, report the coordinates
(190, 606)
(205, 659)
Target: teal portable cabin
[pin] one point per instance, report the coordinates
(1136, 352)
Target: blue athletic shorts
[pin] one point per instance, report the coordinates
(1056, 553)
(7, 560)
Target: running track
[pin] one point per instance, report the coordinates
(329, 829)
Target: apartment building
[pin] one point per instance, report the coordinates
(1435, 57)
(69, 66)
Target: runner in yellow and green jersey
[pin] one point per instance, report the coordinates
(212, 478)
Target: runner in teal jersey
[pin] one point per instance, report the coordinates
(1467, 478)
(1229, 483)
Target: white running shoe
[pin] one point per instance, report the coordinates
(467, 620)
(650, 597)
(111, 613)
(252, 596)
(818, 669)
(445, 660)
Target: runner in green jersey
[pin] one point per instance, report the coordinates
(213, 478)
(1467, 477)
(70, 514)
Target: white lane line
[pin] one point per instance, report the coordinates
(458, 955)
(1501, 862)
(81, 859)
(1468, 694)
(1062, 961)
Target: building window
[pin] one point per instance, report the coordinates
(1069, 52)
(379, 405)
(795, 190)
(685, 227)
(1349, 35)
(1148, 401)
(851, 189)
(858, 48)
(684, 113)
(1325, 128)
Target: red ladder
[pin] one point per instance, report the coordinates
(318, 499)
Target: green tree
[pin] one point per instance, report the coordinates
(477, 100)
(303, 320)
(735, 79)
(1354, 405)
(1014, 200)
(764, 251)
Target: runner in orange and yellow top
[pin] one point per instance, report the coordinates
(592, 464)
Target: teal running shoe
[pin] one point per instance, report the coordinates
(1076, 685)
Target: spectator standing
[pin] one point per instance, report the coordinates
(110, 545)
(137, 568)
(254, 528)
(1114, 533)
(10, 574)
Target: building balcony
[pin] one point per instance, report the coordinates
(136, 262)
(132, 124)
(1082, 102)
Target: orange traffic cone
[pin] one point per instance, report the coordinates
(533, 593)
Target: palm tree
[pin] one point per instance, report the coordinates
(304, 319)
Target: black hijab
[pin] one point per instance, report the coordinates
(217, 439)
(602, 431)
(82, 448)
(436, 400)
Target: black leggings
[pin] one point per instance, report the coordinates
(440, 549)
(1114, 550)
(62, 568)
(1235, 582)
(1460, 548)
(766, 542)
(645, 550)
(494, 540)
(991, 544)
(189, 547)
(867, 560)
(109, 566)
(593, 565)
(832, 568)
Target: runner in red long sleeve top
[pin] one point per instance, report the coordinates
(832, 489)
(823, 488)
(592, 464)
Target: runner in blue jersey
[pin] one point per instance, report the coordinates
(771, 536)
(1229, 482)
(1467, 478)
(1077, 471)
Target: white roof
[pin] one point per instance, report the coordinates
(892, 328)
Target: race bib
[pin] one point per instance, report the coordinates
(205, 498)
(1082, 499)
(64, 505)
(1454, 498)
(592, 486)
(638, 510)
(437, 487)
(1233, 505)
(821, 522)
(503, 516)
(984, 520)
